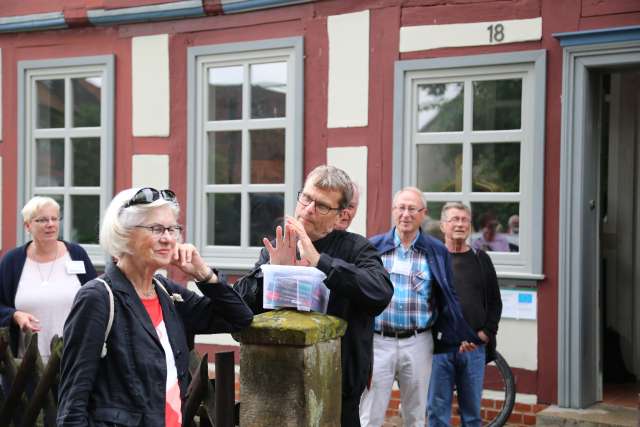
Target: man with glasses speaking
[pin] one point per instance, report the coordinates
(423, 299)
(358, 283)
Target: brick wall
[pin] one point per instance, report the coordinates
(522, 415)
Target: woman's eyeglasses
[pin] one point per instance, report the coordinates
(46, 219)
(147, 195)
(158, 230)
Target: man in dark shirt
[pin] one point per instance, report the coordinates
(476, 285)
(359, 285)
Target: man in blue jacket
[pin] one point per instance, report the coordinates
(423, 314)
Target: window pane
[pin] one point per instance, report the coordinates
(496, 167)
(85, 218)
(224, 164)
(268, 90)
(50, 162)
(497, 104)
(496, 226)
(86, 101)
(50, 95)
(225, 93)
(223, 215)
(431, 223)
(86, 162)
(267, 156)
(267, 212)
(439, 167)
(440, 107)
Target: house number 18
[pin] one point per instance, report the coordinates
(496, 33)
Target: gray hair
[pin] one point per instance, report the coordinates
(31, 208)
(414, 190)
(333, 179)
(118, 222)
(453, 205)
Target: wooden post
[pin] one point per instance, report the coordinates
(225, 389)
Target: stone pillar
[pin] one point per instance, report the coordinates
(290, 372)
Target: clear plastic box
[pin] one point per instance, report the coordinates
(298, 287)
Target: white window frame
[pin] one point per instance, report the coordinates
(28, 73)
(290, 50)
(530, 67)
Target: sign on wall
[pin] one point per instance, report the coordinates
(519, 304)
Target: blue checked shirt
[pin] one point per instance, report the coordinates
(409, 307)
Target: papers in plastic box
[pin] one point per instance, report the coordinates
(299, 287)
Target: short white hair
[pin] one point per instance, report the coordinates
(33, 206)
(414, 190)
(118, 222)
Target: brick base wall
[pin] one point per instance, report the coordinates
(522, 415)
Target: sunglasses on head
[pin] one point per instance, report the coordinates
(148, 195)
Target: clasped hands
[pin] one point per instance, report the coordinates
(293, 236)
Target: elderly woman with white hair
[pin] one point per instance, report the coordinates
(138, 374)
(39, 280)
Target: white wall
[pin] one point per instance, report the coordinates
(150, 85)
(348, 92)
(150, 170)
(353, 160)
(518, 343)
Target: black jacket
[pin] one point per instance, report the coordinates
(492, 301)
(360, 290)
(127, 387)
(10, 272)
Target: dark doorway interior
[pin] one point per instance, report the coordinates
(619, 101)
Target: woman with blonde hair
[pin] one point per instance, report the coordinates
(39, 280)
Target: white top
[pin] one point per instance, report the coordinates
(46, 290)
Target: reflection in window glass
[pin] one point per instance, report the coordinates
(439, 167)
(431, 223)
(268, 90)
(86, 101)
(50, 100)
(497, 104)
(50, 162)
(85, 218)
(223, 215)
(440, 107)
(495, 228)
(225, 93)
(224, 157)
(267, 156)
(266, 212)
(496, 167)
(86, 162)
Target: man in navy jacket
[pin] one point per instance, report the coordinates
(424, 314)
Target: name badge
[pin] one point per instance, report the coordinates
(402, 267)
(75, 267)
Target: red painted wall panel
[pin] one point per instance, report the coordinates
(309, 21)
(609, 7)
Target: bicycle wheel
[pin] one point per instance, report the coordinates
(500, 379)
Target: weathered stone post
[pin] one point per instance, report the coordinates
(290, 371)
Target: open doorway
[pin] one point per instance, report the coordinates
(619, 237)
